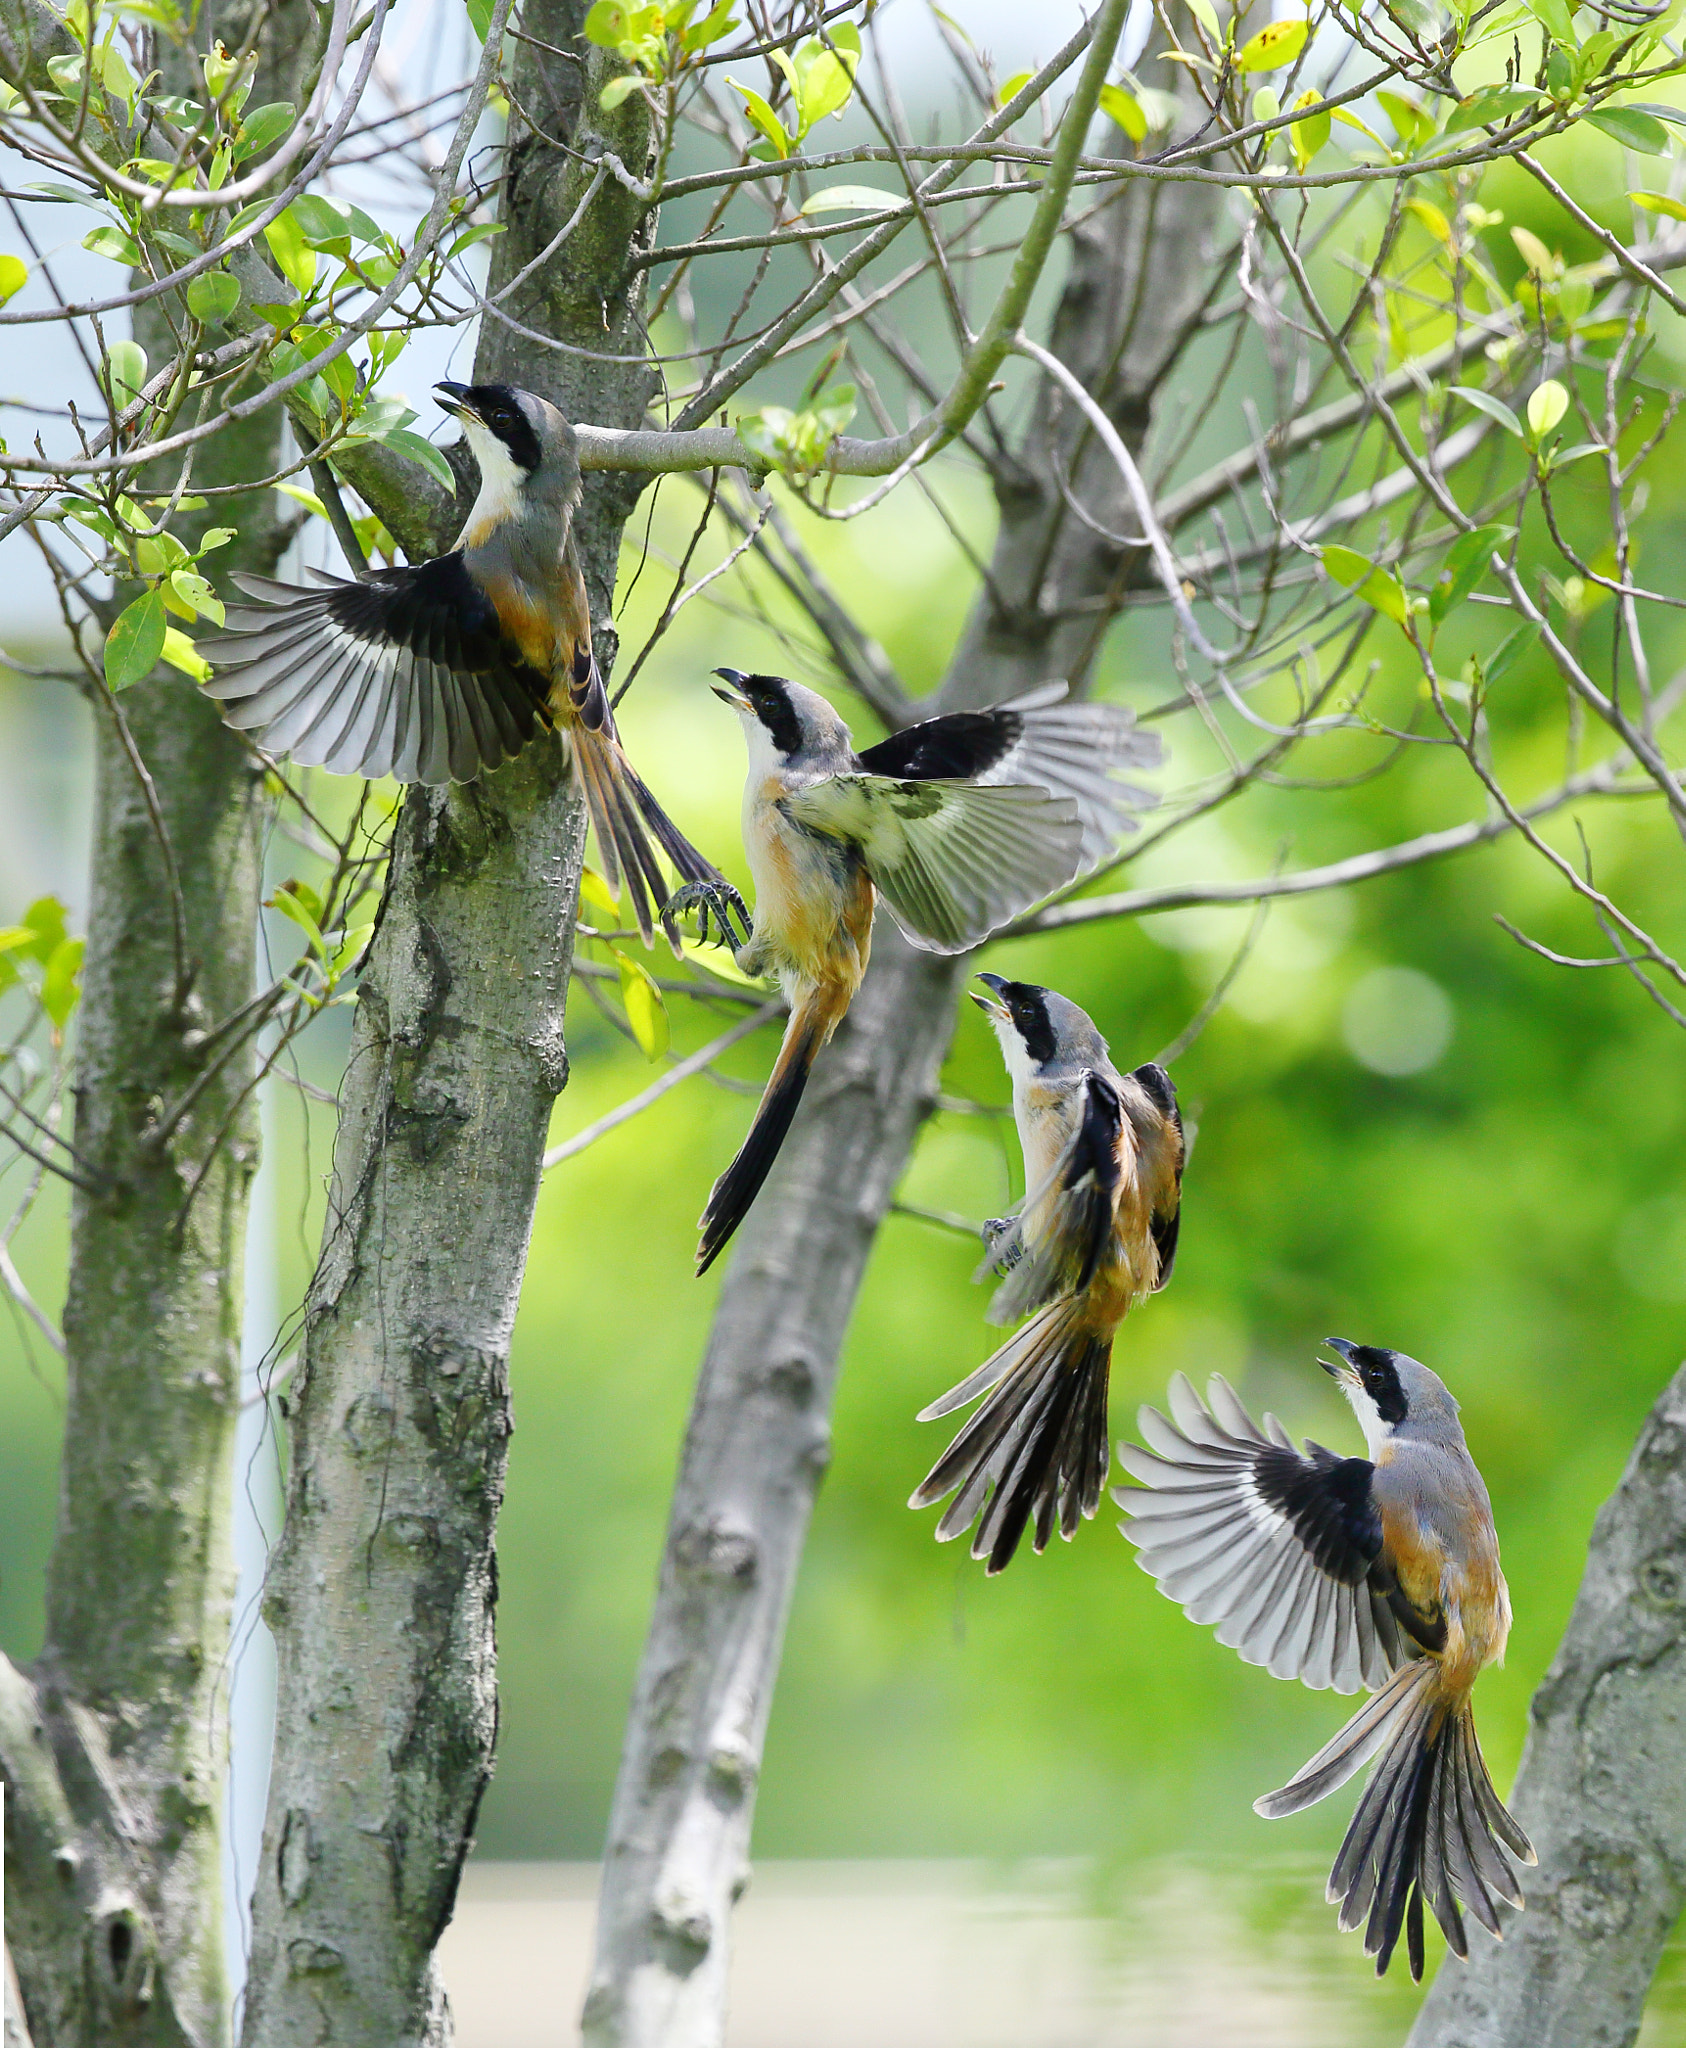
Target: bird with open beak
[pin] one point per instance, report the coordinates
(440, 670)
(1097, 1230)
(958, 824)
(1380, 1572)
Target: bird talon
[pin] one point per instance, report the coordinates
(714, 903)
(995, 1228)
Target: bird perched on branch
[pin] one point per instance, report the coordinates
(1097, 1229)
(959, 824)
(436, 672)
(1379, 1571)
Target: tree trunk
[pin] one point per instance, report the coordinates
(1599, 1789)
(114, 1747)
(383, 1587)
(756, 1445)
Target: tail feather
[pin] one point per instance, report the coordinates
(1428, 1830)
(621, 807)
(739, 1185)
(1036, 1448)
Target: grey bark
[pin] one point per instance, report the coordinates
(113, 1746)
(382, 1591)
(1599, 1789)
(759, 1432)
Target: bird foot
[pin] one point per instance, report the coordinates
(1001, 1241)
(714, 901)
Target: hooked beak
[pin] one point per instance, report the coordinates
(991, 1006)
(453, 398)
(1347, 1374)
(735, 697)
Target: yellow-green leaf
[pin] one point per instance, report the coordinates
(1276, 44)
(617, 90)
(1547, 403)
(1207, 16)
(762, 117)
(294, 257)
(1346, 566)
(1012, 87)
(213, 296)
(1126, 110)
(14, 274)
(597, 896)
(179, 651)
(1651, 202)
(852, 199)
(1309, 134)
(1534, 253)
(59, 984)
(645, 1010)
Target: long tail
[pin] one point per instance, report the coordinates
(811, 1024)
(1039, 1440)
(1428, 1826)
(621, 806)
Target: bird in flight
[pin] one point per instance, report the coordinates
(440, 670)
(1380, 1572)
(1097, 1230)
(959, 824)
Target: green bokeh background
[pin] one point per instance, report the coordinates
(1514, 1214)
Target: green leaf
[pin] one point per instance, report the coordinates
(1494, 408)
(760, 114)
(350, 949)
(1308, 135)
(59, 984)
(1126, 110)
(262, 128)
(295, 259)
(645, 1010)
(827, 83)
(1207, 16)
(43, 929)
(1384, 592)
(193, 590)
(1547, 403)
(421, 451)
(14, 275)
(1632, 129)
(607, 24)
(113, 243)
(1650, 202)
(125, 364)
(1346, 566)
(1010, 88)
(1555, 16)
(617, 90)
(299, 901)
(852, 199)
(713, 28)
(135, 642)
(320, 221)
(212, 296)
(1509, 652)
(1464, 566)
(483, 233)
(480, 17)
(1489, 104)
(1277, 44)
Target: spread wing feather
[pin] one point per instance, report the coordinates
(1076, 750)
(406, 674)
(1275, 1546)
(954, 861)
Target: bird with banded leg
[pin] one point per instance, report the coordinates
(1096, 1231)
(438, 671)
(959, 824)
(1380, 1572)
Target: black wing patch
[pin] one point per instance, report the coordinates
(1327, 1499)
(1166, 1221)
(407, 673)
(1092, 1173)
(956, 748)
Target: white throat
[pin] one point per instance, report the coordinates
(501, 482)
(1376, 1431)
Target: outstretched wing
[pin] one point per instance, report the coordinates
(407, 674)
(1281, 1549)
(1074, 750)
(1053, 1246)
(953, 861)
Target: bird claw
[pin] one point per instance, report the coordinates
(1004, 1247)
(714, 901)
